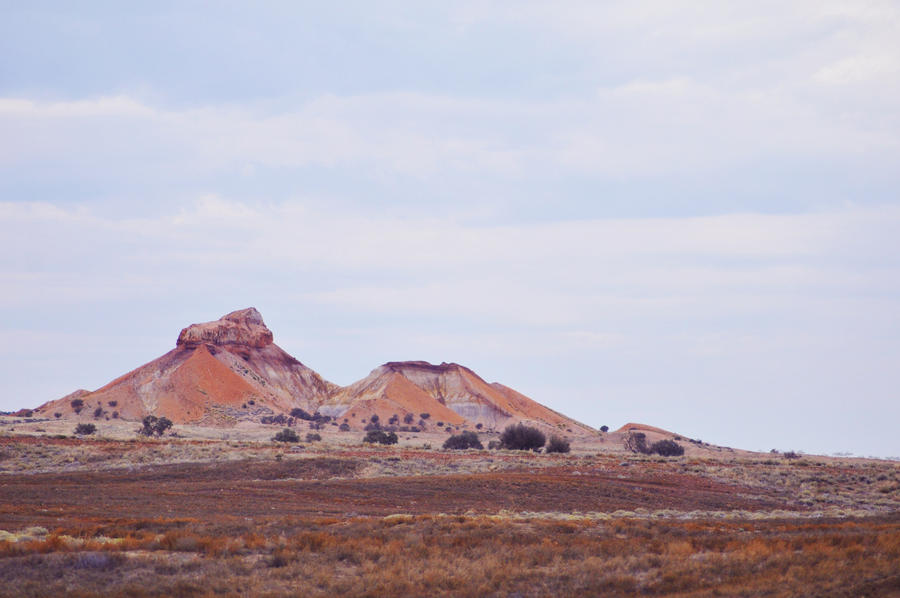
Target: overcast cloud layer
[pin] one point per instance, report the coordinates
(685, 215)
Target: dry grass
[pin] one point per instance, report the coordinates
(409, 555)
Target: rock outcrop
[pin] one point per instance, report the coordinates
(244, 327)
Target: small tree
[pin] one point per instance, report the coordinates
(408, 418)
(98, 412)
(77, 405)
(380, 437)
(466, 440)
(345, 427)
(557, 445)
(286, 435)
(313, 437)
(153, 425)
(604, 428)
(85, 429)
(636, 442)
(520, 437)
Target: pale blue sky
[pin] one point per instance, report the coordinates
(684, 214)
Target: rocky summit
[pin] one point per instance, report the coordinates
(228, 371)
(243, 327)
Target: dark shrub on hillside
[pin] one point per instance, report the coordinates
(424, 415)
(278, 420)
(557, 445)
(667, 448)
(636, 442)
(300, 414)
(113, 403)
(520, 437)
(604, 428)
(313, 437)
(154, 425)
(345, 427)
(466, 440)
(77, 405)
(408, 418)
(98, 412)
(286, 435)
(372, 426)
(85, 429)
(380, 437)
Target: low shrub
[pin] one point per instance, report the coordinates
(667, 448)
(85, 429)
(287, 435)
(520, 437)
(380, 437)
(557, 445)
(636, 442)
(345, 427)
(463, 441)
(313, 437)
(300, 414)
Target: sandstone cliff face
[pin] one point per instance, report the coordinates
(244, 327)
(230, 370)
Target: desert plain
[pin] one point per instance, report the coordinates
(211, 511)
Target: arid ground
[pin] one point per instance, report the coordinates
(201, 514)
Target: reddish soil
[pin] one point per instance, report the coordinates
(302, 487)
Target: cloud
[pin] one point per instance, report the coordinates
(643, 128)
(536, 274)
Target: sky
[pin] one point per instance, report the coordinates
(681, 214)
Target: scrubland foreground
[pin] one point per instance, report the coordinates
(94, 517)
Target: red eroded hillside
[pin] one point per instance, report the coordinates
(230, 370)
(219, 373)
